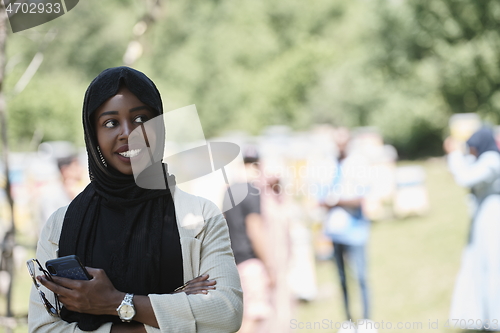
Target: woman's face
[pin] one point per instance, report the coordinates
(114, 120)
(473, 151)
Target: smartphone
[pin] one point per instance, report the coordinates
(68, 267)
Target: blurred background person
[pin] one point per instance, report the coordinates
(477, 288)
(278, 210)
(72, 175)
(345, 223)
(59, 187)
(249, 243)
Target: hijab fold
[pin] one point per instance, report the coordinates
(483, 141)
(148, 236)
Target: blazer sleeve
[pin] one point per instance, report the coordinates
(219, 311)
(39, 321)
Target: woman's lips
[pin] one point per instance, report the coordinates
(130, 153)
(125, 153)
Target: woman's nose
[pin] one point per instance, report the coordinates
(126, 128)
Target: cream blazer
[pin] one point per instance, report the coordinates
(206, 249)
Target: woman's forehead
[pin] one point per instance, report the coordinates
(123, 99)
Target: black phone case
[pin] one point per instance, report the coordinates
(68, 267)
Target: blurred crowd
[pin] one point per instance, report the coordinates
(318, 192)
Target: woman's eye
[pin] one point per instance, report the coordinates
(109, 124)
(141, 119)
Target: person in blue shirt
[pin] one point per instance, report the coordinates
(345, 223)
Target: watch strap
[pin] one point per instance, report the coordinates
(127, 300)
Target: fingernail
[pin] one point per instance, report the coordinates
(204, 291)
(39, 278)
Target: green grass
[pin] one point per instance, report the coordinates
(413, 263)
(22, 288)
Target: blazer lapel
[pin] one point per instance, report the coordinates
(190, 223)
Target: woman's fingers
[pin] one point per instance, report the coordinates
(199, 290)
(68, 283)
(201, 285)
(53, 286)
(203, 277)
(200, 281)
(95, 271)
(198, 285)
(95, 296)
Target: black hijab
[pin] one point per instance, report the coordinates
(483, 141)
(128, 231)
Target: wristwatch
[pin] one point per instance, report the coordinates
(126, 310)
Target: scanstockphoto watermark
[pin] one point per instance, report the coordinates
(311, 190)
(316, 181)
(328, 324)
(319, 172)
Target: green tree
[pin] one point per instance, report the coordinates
(402, 66)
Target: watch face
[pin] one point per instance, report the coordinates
(127, 312)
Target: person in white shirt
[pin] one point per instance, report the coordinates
(476, 298)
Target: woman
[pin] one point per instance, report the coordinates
(476, 299)
(139, 245)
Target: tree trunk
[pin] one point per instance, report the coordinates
(9, 238)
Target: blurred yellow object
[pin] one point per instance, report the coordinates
(463, 125)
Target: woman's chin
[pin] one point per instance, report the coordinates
(121, 164)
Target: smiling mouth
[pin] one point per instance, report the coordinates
(130, 153)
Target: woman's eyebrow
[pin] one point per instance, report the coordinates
(107, 113)
(142, 107)
(138, 108)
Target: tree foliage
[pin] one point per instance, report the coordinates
(402, 66)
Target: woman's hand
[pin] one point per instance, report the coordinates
(96, 296)
(199, 285)
(450, 145)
